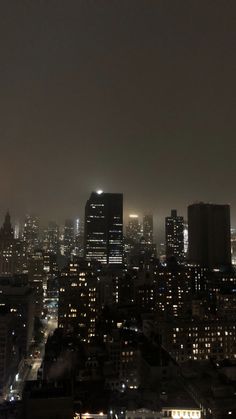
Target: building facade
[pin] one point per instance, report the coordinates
(104, 228)
(209, 235)
(174, 230)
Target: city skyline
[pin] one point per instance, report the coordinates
(158, 217)
(118, 209)
(128, 96)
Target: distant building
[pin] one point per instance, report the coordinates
(174, 229)
(12, 253)
(148, 228)
(133, 228)
(51, 238)
(31, 233)
(79, 238)
(233, 246)
(209, 235)
(185, 239)
(69, 236)
(104, 228)
(6, 247)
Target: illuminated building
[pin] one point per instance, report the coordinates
(79, 238)
(185, 239)
(133, 228)
(68, 238)
(148, 229)
(51, 238)
(166, 291)
(31, 233)
(12, 254)
(77, 226)
(174, 229)
(6, 247)
(123, 354)
(181, 413)
(17, 230)
(166, 412)
(209, 235)
(104, 228)
(77, 308)
(199, 339)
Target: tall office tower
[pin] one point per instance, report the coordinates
(133, 228)
(68, 241)
(31, 233)
(209, 235)
(51, 238)
(174, 226)
(79, 237)
(104, 228)
(148, 228)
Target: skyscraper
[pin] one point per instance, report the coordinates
(104, 228)
(51, 238)
(148, 228)
(209, 235)
(31, 233)
(79, 237)
(133, 229)
(174, 226)
(69, 236)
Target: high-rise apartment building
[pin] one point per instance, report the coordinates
(104, 228)
(174, 229)
(77, 307)
(209, 235)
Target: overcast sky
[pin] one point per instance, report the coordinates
(132, 96)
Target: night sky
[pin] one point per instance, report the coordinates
(129, 96)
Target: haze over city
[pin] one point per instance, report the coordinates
(128, 96)
(118, 209)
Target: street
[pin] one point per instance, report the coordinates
(28, 368)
